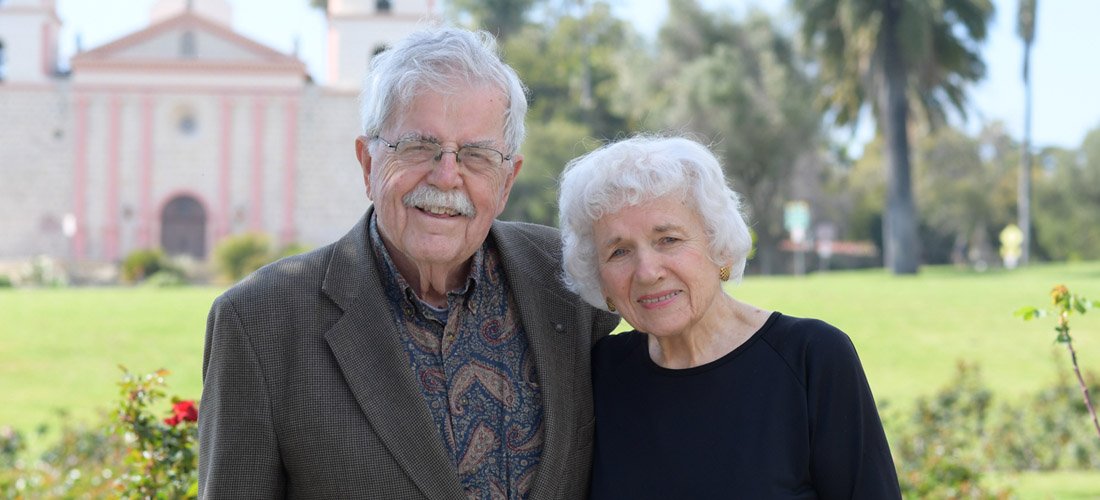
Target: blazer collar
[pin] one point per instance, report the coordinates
(367, 347)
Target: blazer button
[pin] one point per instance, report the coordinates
(558, 327)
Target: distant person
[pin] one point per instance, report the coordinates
(708, 397)
(430, 352)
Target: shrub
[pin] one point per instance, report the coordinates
(136, 452)
(237, 256)
(44, 271)
(141, 264)
(165, 278)
(162, 456)
(82, 463)
(1049, 431)
(5, 281)
(939, 448)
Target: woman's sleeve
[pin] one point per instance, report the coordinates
(850, 457)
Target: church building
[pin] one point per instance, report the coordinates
(182, 133)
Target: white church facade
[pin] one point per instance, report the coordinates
(182, 133)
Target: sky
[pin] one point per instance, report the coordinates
(1065, 72)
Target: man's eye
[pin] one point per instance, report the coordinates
(475, 155)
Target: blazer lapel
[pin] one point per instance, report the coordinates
(368, 349)
(549, 321)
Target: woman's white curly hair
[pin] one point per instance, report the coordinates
(636, 170)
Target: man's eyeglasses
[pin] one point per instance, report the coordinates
(420, 151)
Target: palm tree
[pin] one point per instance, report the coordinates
(1025, 28)
(891, 53)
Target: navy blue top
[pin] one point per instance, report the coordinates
(787, 414)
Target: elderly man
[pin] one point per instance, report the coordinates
(432, 351)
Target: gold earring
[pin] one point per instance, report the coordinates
(610, 305)
(724, 273)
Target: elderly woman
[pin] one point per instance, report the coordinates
(708, 396)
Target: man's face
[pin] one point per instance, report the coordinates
(430, 230)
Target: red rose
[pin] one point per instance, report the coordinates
(184, 411)
(172, 421)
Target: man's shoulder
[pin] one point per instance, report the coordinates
(288, 275)
(517, 229)
(527, 239)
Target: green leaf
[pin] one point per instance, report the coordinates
(1029, 313)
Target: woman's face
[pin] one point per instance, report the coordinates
(654, 267)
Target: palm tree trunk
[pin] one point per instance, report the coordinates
(1023, 197)
(900, 222)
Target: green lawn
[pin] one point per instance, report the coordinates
(59, 348)
(911, 331)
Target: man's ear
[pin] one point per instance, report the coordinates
(517, 164)
(362, 153)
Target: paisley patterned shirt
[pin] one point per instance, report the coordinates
(477, 374)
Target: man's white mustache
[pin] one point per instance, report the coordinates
(428, 198)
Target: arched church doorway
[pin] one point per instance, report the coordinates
(183, 227)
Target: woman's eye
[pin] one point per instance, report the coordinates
(618, 252)
(668, 240)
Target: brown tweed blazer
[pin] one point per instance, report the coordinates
(308, 391)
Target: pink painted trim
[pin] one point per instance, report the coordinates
(289, 232)
(80, 179)
(256, 216)
(112, 213)
(225, 168)
(294, 68)
(180, 89)
(333, 55)
(145, 217)
(45, 51)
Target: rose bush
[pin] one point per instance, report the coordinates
(162, 456)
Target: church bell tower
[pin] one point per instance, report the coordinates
(358, 29)
(29, 31)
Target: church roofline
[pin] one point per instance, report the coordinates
(100, 57)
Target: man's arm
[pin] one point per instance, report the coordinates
(238, 450)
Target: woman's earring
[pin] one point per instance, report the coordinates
(610, 305)
(724, 273)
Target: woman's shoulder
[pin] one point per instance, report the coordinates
(617, 346)
(800, 337)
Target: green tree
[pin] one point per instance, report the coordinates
(889, 53)
(742, 86)
(1025, 28)
(571, 66)
(502, 18)
(1067, 201)
(967, 190)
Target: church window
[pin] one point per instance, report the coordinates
(383, 6)
(186, 121)
(187, 44)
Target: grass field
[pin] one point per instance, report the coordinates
(60, 348)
